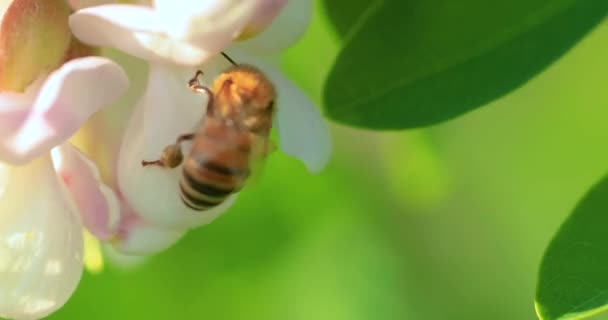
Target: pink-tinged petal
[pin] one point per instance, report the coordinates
(14, 109)
(285, 29)
(136, 30)
(168, 109)
(66, 100)
(41, 241)
(137, 237)
(11, 119)
(303, 132)
(98, 205)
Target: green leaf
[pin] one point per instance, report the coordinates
(573, 278)
(409, 63)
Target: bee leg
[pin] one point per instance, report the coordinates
(172, 155)
(196, 87)
(184, 137)
(194, 81)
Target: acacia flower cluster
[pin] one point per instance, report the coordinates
(51, 82)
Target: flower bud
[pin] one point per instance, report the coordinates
(34, 38)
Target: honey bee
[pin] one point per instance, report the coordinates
(232, 136)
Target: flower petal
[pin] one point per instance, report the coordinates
(145, 239)
(14, 110)
(111, 122)
(152, 191)
(266, 12)
(40, 241)
(66, 100)
(123, 261)
(303, 132)
(80, 4)
(97, 204)
(285, 29)
(118, 26)
(210, 25)
(137, 237)
(149, 34)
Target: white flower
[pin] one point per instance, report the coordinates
(44, 202)
(48, 190)
(184, 32)
(176, 39)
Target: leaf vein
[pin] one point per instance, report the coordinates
(367, 14)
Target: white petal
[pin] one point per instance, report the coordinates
(206, 22)
(142, 239)
(303, 132)
(136, 237)
(266, 12)
(98, 205)
(124, 27)
(167, 110)
(284, 31)
(175, 33)
(207, 26)
(80, 4)
(40, 241)
(126, 262)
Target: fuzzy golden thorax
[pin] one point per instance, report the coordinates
(242, 92)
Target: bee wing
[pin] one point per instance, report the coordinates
(261, 148)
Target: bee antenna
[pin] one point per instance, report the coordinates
(229, 59)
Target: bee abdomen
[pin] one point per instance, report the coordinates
(222, 170)
(196, 200)
(206, 185)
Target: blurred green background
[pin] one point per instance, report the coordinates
(448, 222)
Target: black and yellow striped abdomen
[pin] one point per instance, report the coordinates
(218, 165)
